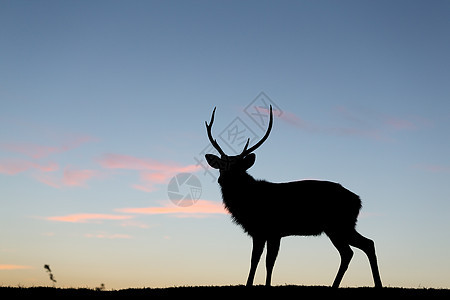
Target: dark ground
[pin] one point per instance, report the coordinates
(229, 292)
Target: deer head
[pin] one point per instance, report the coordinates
(235, 163)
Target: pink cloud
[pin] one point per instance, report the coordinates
(39, 151)
(294, 120)
(132, 223)
(148, 188)
(399, 124)
(73, 177)
(383, 121)
(119, 161)
(155, 177)
(87, 218)
(149, 180)
(288, 117)
(359, 127)
(145, 187)
(14, 267)
(31, 150)
(199, 209)
(373, 134)
(372, 124)
(14, 166)
(152, 172)
(48, 180)
(70, 178)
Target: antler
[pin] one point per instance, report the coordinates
(245, 151)
(213, 141)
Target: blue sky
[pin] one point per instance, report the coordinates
(103, 102)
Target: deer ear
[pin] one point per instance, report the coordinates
(249, 160)
(213, 160)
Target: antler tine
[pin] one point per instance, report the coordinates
(245, 151)
(208, 130)
(246, 145)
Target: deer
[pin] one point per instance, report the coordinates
(269, 211)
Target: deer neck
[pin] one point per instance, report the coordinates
(235, 186)
(238, 193)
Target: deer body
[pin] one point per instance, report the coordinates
(307, 207)
(268, 211)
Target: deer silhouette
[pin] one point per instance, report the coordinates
(268, 211)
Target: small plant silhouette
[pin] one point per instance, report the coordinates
(50, 274)
(269, 211)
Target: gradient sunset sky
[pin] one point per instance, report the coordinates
(104, 102)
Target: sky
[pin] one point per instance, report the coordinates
(102, 116)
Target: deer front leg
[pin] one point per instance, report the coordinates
(273, 245)
(258, 247)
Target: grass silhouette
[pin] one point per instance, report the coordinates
(211, 292)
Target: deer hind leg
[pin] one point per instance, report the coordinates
(346, 254)
(368, 246)
(258, 247)
(273, 245)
